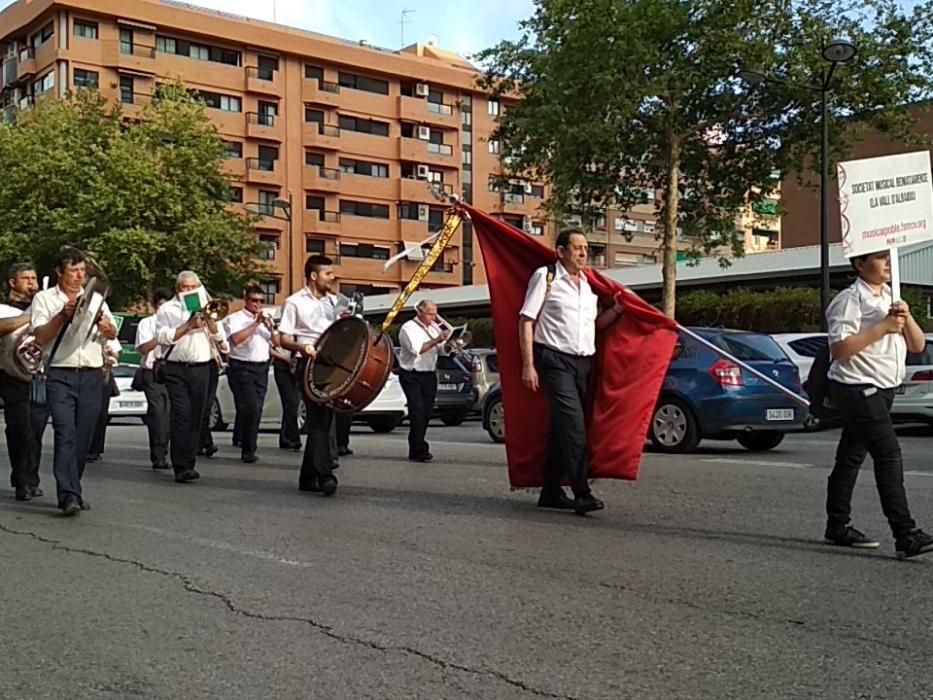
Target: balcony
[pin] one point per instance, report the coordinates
(419, 151)
(766, 208)
(321, 92)
(26, 65)
(264, 81)
(263, 172)
(263, 126)
(322, 179)
(416, 190)
(323, 136)
(10, 67)
(511, 203)
(323, 222)
(323, 244)
(133, 103)
(131, 57)
(420, 111)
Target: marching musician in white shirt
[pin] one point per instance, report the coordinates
(420, 340)
(305, 316)
(158, 409)
(249, 334)
(187, 355)
(74, 380)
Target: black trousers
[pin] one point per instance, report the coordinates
(290, 397)
(74, 401)
(187, 386)
(867, 429)
(420, 391)
(158, 416)
(319, 455)
(564, 379)
(98, 442)
(343, 421)
(207, 437)
(25, 425)
(248, 383)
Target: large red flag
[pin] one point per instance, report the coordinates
(632, 356)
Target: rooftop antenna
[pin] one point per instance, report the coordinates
(274, 11)
(403, 21)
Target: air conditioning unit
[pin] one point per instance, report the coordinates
(423, 212)
(421, 89)
(527, 187)
(526, 224)
(424, 172)
(424, 133)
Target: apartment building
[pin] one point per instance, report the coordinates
(339, 137)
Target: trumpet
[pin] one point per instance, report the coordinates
(455, 346)
(214, 311)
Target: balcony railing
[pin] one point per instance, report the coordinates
(326, 173)
(326, 86)
(128, 97)
(264, 164)
(328, 217)
(261, 118)
(438, 108)
(260, 73)
(130, 49)
(513, 198)
(27, 53)
(440, 149)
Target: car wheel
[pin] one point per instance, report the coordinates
(673, 427)
(452, 419)
(760, 441)
(495, 421)
(811, 423)
(215, 419)
(383, 424)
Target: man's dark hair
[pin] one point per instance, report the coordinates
(857, 258)
(314, 263)
(161, 294)
(68, 255)
(17, 268)
(253, 289)
(563, 238)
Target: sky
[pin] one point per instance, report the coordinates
(460, 26)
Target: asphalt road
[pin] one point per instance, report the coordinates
(704, 579)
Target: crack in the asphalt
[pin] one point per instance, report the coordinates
(745, 614)
(326, 630)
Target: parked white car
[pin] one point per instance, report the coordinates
(129, 403)
(801, 348)
(383, 415)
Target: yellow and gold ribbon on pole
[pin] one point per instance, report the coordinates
(454, 219)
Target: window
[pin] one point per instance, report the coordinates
(165, 44)
(359, 167)
(408, 211)
(494, 147)
(268, 65)
(537, 191)
(314, 115)
(467, 120)
(43, 35)
(314, 73)
(467, 156)
(269, 290)
(314, 159)
(267, 201)
(233, 149)
(375, 211)
(200, 52)
(363, 126)
(268, 111)
(493, 108)
(435, 220)
(126, 41)
(267, 157)
(236, 195)
(537, 229)
(87, 79)
(361, 82)
(126, 89)
(314, 202)
(85, 29)
(225, 103)
(44, 84)
(315, 245)
(364, 250)
(269, 245)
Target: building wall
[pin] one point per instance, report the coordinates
(801, 201)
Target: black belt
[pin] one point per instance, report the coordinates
(416, 371)
(76, 369)
(234, 361)
(188, 364)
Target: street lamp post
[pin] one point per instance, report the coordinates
(834, 53)
(286, 206)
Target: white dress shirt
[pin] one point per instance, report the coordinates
(256, 347)
(194, 346)
(305, 317)
(566, 316)
(881, 364)
(411, 338)
(146, 332)
(47, 304)
(7, 311)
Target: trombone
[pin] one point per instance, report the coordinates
(456, 346)
(215, 310)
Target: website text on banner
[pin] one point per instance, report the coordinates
(886, 203)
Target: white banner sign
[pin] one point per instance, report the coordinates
(885, 202)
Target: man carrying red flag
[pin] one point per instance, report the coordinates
(624, 375)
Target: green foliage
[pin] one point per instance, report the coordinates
(145, 199)
(616, 96)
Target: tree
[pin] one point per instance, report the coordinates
(614, 97)
(146, 199)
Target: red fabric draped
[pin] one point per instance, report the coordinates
(632, 356)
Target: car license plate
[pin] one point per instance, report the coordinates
(131, 404)
(448, 387)
(779, 414)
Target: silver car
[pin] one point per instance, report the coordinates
(485, 373)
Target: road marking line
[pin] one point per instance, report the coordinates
(762, 463)
(916, 473)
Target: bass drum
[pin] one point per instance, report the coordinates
(352, 365)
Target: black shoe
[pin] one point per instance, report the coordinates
(23, 493)
(249, 457)
(236, 443)
(186, 476)
(85, 505)
(309, 486)
(587, 504)
(296, 446)
(93, 457)
(913, 544)
(36, 492)
(344, 452)
(329, 485)
(210, 451)
(426, 457)
(70, 506)
(557, 499)
(848, 536)
(160, 465)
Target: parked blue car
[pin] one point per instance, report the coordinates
(705, 396)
